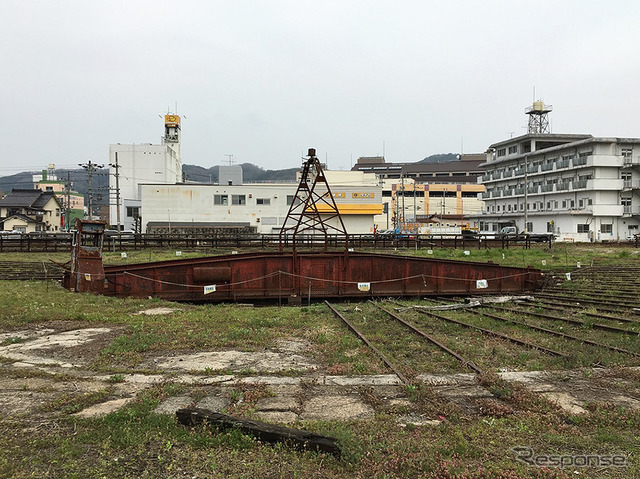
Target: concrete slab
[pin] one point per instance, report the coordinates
(214, 403)
(271, 380)
(336, 407)
(370, 380)
(278, 403)
(463, 391)
(25, 334)
(399, 403)
(265, 361)
(566, 401)
(444, 379)
(102, 409)
(172, 404)
(66, 339)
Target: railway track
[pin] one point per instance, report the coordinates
(563, 327)
(34, 270)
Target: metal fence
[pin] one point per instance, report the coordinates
(62, 242)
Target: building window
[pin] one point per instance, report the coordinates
(606, 228)
(564, 204)
(57, 211)
(513, 149)
(584, 228)
(548, 205)
(529, 226)
(221, 200)
(238, 200)
(263, 201)
(581, 203)
(290, 199)
(502, 152)
(133, 211)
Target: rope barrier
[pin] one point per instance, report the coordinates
(324, 280)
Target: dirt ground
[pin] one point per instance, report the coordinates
(44, 365)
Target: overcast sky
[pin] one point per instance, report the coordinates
(264, 80)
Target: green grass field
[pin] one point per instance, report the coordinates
(136, 442)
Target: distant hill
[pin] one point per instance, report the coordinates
(195, 173)
(78, 178)
(251, 173)
(440, 158)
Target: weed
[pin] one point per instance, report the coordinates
(116, 378)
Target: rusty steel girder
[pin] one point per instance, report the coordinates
(310, 275)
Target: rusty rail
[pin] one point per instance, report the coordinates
(497, 335)
(464, 361)
(603, 327)
(558, 334)
(368, 343)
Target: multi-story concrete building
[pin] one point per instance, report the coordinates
(413, 206)
(143, 163)
(463, 171)
(579, 187)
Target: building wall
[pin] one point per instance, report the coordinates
(581, 188)
(50, 220)
(424, 200)
(145, 163)
(266, 205)
(76, 200)
(19, 225)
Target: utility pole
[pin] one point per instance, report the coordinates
(67, 202)
(526, 193)
(117, 175)
(90, 168)
(403, 211)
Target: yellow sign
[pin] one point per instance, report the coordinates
(363, 195)
(171, 120)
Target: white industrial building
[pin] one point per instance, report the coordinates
(142, 163)
(579, 187)
(253, 207)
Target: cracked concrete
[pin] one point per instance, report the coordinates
(305, 395)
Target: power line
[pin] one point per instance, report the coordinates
(90, 168)
(116, 166)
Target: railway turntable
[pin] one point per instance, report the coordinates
(292, 275)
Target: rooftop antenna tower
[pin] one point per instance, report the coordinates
(538, 117)
(313, 211)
